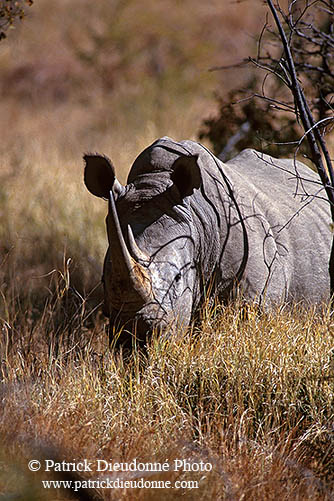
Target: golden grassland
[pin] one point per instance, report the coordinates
(249, 392)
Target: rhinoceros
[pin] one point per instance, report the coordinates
(187, 225)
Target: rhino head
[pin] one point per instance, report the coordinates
(150, 269)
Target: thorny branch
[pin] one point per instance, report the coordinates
(311, 127)
(308, 26)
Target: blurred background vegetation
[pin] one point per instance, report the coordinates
(111, 78)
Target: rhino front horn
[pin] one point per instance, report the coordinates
(131, 281)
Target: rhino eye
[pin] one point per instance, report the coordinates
(178, 277)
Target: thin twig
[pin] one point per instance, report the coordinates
(312, 132)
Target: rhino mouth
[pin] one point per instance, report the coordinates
(125, 324)
(125, 306)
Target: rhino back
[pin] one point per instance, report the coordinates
(287, 219)
(290, 197)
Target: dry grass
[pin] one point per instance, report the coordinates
(249, 392)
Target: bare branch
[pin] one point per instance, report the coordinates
(305, 114)
(312, 131)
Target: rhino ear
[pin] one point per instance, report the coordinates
(186, 174)
(100, 176)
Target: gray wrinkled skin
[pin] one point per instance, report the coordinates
(255, 226)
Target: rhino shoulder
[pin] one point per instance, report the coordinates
(250, 161)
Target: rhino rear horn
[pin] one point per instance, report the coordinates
(186, 174)
(100, 176)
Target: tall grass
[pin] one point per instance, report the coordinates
(249, 392)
